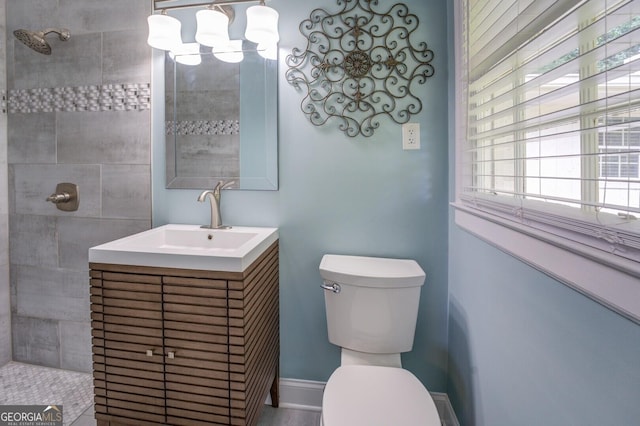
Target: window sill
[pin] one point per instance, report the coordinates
(603, 277)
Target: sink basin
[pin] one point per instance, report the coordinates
(188, 247)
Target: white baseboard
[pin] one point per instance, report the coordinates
(300, 394)
(307, 395)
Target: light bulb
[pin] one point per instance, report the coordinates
(187, 54)
(262, 25)
(268, 51)
(213, 28)
(231, 53)
(164, 32)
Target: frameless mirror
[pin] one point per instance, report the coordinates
(221, 121)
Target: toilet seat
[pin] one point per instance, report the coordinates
(364, 395)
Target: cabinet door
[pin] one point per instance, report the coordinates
(133, 347)
(196, 345)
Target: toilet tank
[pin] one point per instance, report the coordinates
(376, 307)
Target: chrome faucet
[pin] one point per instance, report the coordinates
(214, 198)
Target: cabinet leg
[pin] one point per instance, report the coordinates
(275, 389)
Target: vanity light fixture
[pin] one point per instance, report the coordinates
(262, 24)
(268, 51)
(186, 54)
(164, 31)
(213, 27)
(231, 53)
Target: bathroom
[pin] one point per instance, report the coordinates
(506, 343)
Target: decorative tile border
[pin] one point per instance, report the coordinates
(94, 98)
(203, 127)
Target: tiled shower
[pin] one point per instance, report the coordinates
(80, 115)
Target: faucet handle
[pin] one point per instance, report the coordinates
(226, 184)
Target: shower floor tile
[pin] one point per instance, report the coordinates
(25, 384)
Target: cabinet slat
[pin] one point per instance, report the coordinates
(196, 372)
(142, 374)
(194, 300)
(195, 327)
(175, 380)
(128, 415)
(199, 291)
(137, 296)
(205, 387)
(196, 337)
(152, 342)
(197, 310)
(134, 313)
(155, 288)
(117, 382)
(189, 318)
(143, 399)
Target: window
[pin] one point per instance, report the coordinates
(548, 143)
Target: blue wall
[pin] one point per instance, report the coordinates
(526, 349)
(349, 196)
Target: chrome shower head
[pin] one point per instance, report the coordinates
(36, 39)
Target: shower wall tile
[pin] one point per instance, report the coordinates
(33, 240)
(77, 235)
(91, 16)
(126, 191)
(113, 137)
(76, 63)
(5, 316)
(9, 55)
(126, 56)
(4, 248)
(33, 183)
(31, 14)
(11, 198)
(101, 16)
(4, 185)
(55, 294)
(75, 346)
(32, 138)
(35, 341)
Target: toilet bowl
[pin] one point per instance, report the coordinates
(372, 307)
(364, 395)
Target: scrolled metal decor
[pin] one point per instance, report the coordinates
(360, 66)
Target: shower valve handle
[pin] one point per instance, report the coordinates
(66, 197)
(59, 198)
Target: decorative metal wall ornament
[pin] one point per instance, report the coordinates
(359, 66)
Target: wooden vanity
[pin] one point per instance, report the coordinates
(185, 347)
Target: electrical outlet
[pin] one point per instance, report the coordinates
(411, 136)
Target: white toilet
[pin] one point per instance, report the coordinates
(372, 307)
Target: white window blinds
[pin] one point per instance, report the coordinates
(553, 117)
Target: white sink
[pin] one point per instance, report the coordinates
(188, 247)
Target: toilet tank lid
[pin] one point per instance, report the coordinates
(371, 271)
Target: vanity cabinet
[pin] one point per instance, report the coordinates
(184, 347)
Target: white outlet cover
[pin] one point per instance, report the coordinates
(411, 136)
